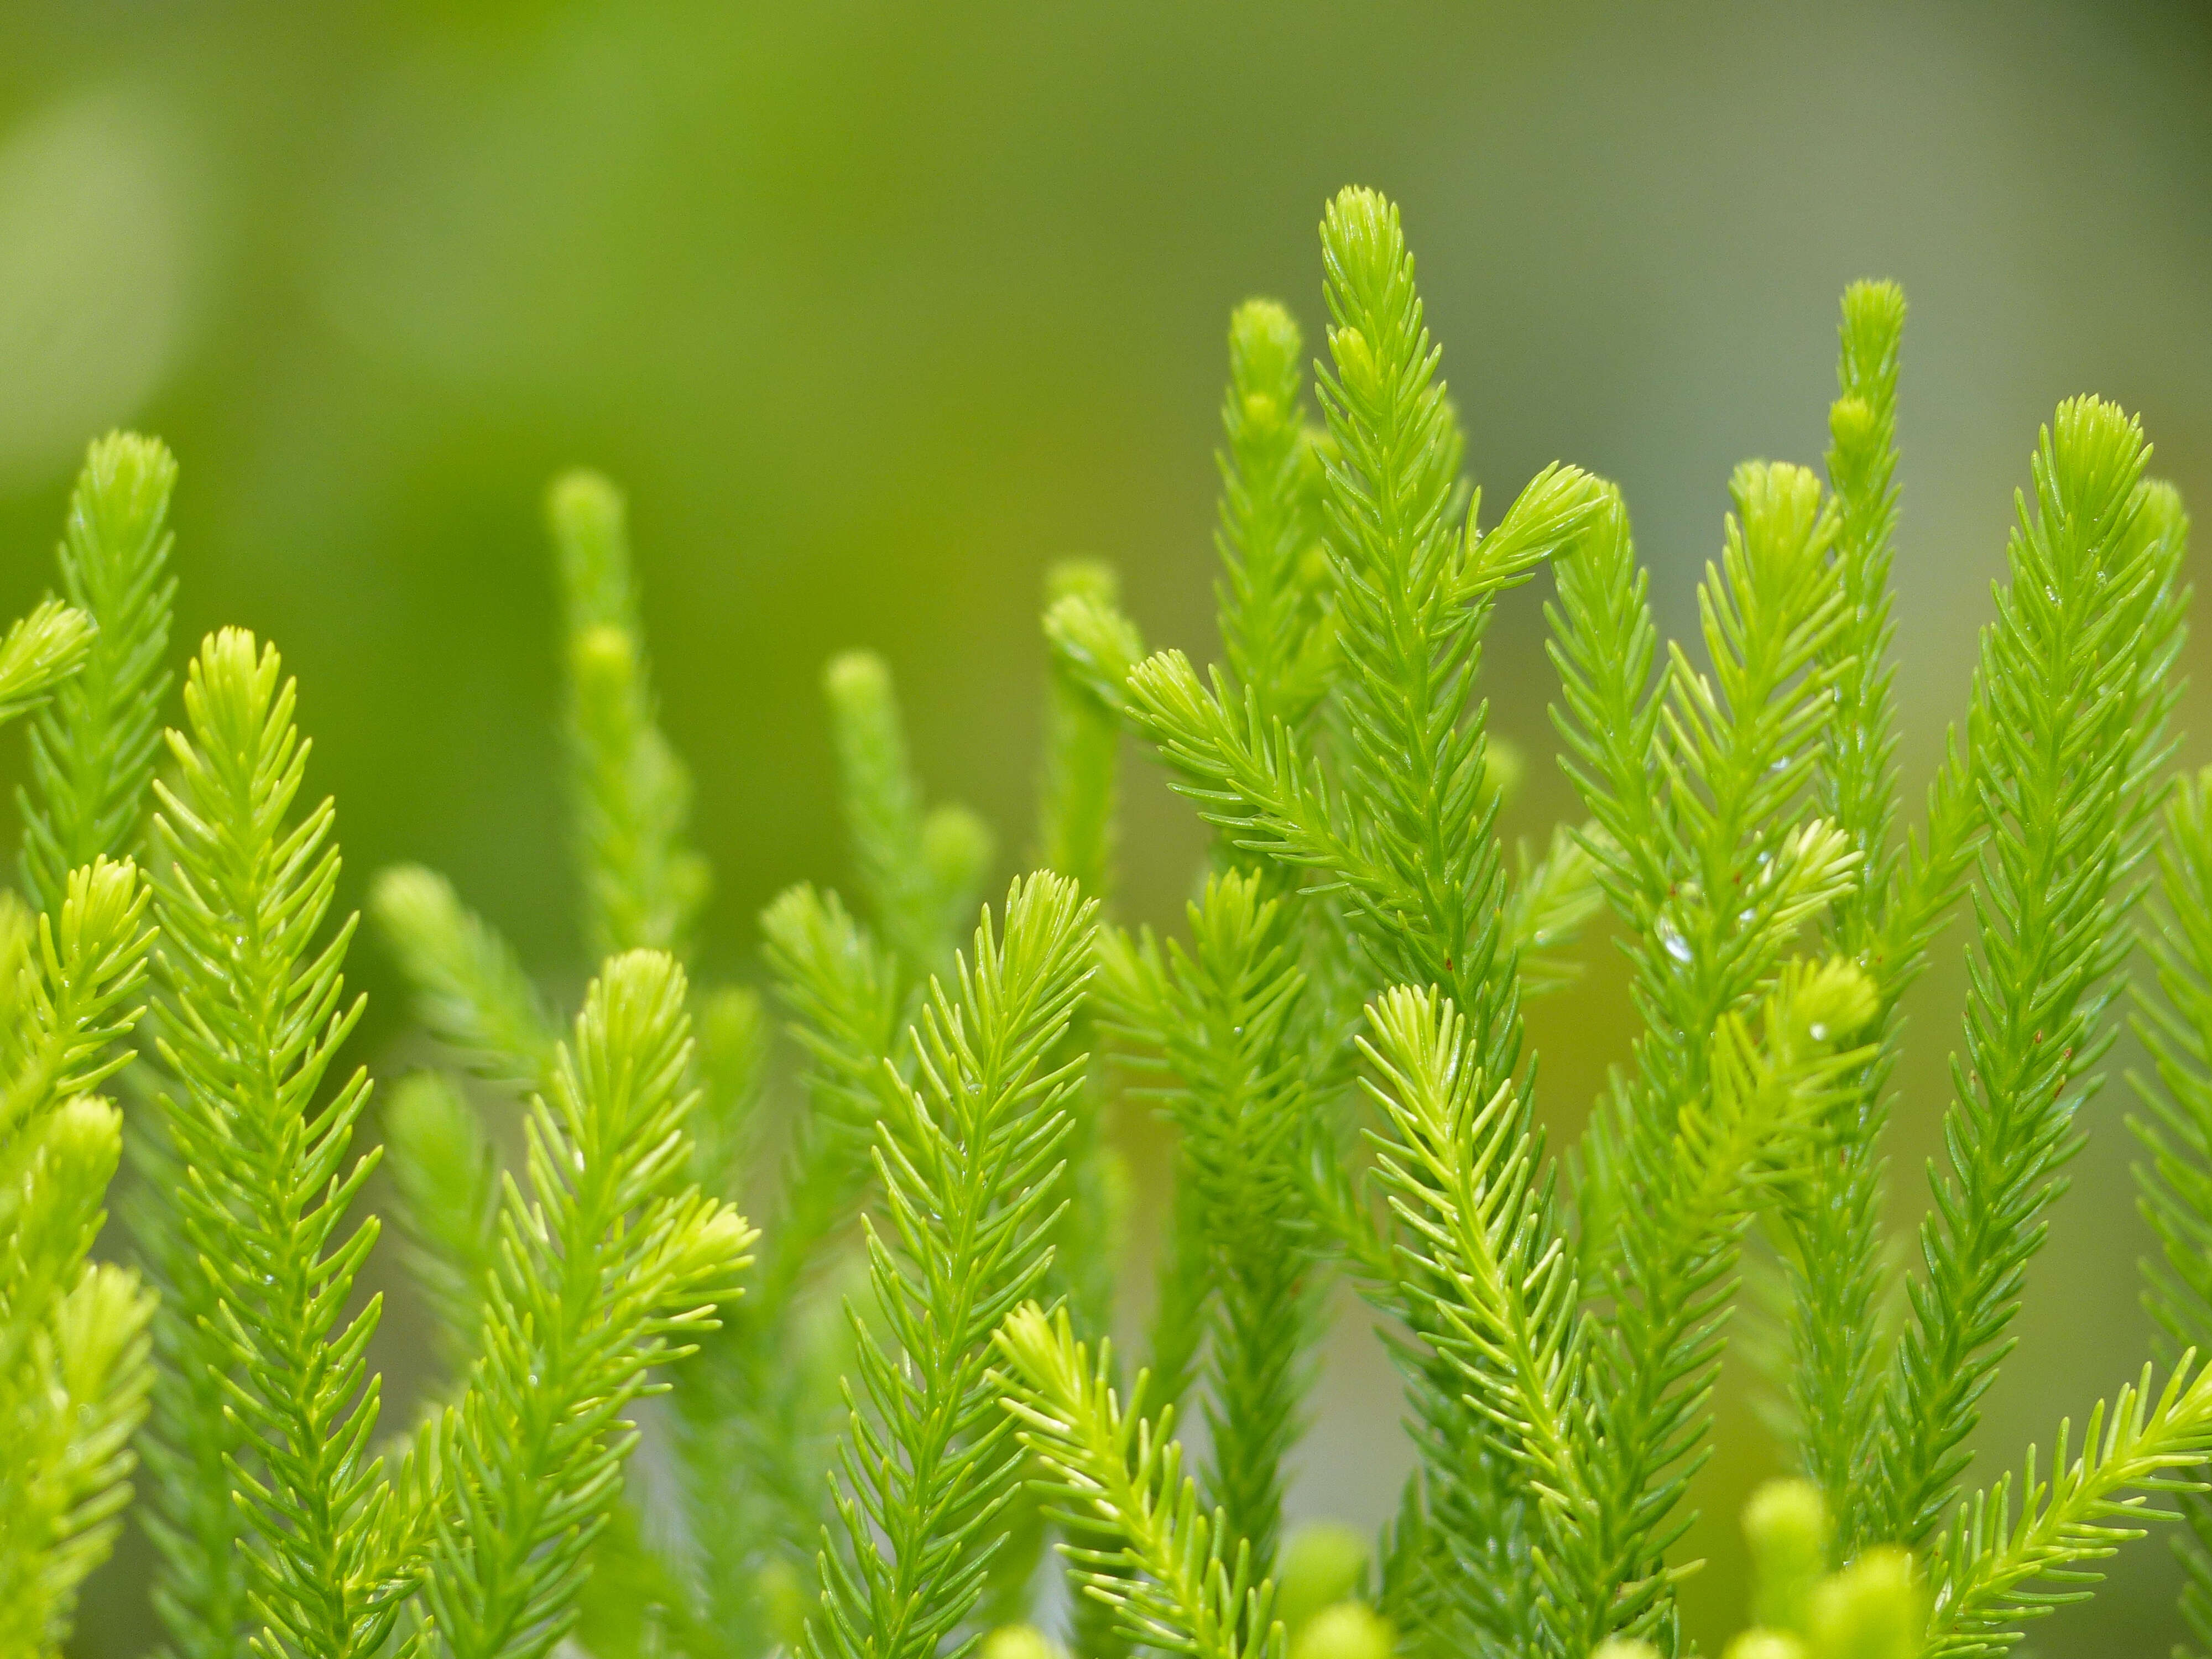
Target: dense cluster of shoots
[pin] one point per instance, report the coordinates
(896, 1425)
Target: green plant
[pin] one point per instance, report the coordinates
(869, 1450)
(274, 1516)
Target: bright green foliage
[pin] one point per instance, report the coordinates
(255, 1013)
(755, 1427)
(604, 1271)
(1077, 801)
(1401, 829)
(39, 652)
(71, 1001)
(967, 1168)
(199, 1580)
(1219, 1018)
(752, 1431)
(93, 748)
(274, 1522)
(1420, 863)
(1093, 644)
(1857, 777)
(866, 1455)
(1179, 1579)
(2076, 673)
(1833, 1227)
(2082, 1512)
(1724, 884)
(75, 1367)
(1468, 1185)
(1737, 803)
(1405, 571)
(75, 1402)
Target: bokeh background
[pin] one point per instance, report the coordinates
(878, 309)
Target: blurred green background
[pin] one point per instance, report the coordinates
(877, 310)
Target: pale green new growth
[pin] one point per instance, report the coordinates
(39, 652)
(1874, 1609)
(73, 997)
(1274, 593)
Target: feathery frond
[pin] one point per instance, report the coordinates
(1338, 1048)
(606, 1268)
(2075, 673)
(75, 1000)
(1467, 1177)
(39, 652)
(753, 1418)
(93, 746)
(1221, 1019)
(841, 991)
(969, 1170)
(1179, 1579)
(253, 1015)
(2081, 1513)
(74, 1373)
(1697, 784)
(1412, 591)
(1832, 1237)
(74, 1363)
